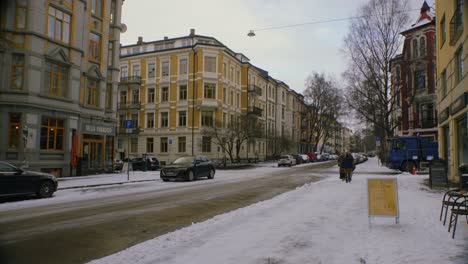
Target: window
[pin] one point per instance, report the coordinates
(149, 145)
(150, 95)
(398, 74)
(133, 145)
(165, 69)
(419, 79)
(182, 144)
(113, 12)
(443, 30)
(51, 134)
(123, 97)
(210, 64)
(210, 90)
(238, 100)
(399, 145)
(94, 47)
(136, 70)
(122, 121)
(17, 72)
(224, 70)
(231, 74)
(58, 25)
(183, 92)
(459, 64)
(238, 77)
(182, 118)
(232, 98)
(164, 145)
(124, 72)
(92, 92)
(164, 119)
(207, 118)
(20, 15)
(283, 97)
(14, 130)
(150, 120)
(422, 46)
(206, 144)
(224, 119)
(282, 112)
(415, 48)
(427, 116)
(164, 94)
(224, 95)
(56, 77)
(96, 7)
(110, 55)
(151, 70)
(135, 96)
(183, 66)
(134, 118)
(109, 97)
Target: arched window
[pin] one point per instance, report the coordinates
(422, 46)
(415, 48)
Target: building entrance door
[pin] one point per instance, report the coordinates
(93, 152)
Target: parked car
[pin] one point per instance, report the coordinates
(286, 160)
(312, 156)
(145, 163)
(118, 165)
(188, 168)
(304, 158)
(15, 181)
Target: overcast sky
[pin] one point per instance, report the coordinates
(288, 54)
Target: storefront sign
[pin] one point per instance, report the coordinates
(98, 129)
(382, 197)
(458, 104)
(443, 115)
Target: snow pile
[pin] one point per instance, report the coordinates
(322, 222)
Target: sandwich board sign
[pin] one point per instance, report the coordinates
(382, 197)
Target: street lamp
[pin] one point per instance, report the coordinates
(251, 33)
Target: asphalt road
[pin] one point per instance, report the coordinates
(80, 231)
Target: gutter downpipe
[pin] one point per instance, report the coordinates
(193, 95)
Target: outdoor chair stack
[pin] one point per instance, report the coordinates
(457, 201)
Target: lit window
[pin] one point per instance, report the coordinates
(14, 131)
(52, 134)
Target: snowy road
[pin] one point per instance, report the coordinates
(83, 224)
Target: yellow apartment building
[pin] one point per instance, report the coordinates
(452, 84)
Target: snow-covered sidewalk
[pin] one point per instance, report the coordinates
(322, 222)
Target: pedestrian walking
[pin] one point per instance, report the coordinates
(346, 164)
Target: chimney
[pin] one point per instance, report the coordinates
(166, 38)
(192, 32)
(140, 40)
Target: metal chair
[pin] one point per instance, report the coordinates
(449, 200)
(460, 208)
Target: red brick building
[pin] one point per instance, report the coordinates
(413, 79)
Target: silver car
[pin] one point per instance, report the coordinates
(286, 160)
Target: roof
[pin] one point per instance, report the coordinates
(426, 17)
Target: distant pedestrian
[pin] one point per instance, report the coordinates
(346, 164)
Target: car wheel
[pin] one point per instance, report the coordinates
(46, 189)
(211, 175)
(190, 176)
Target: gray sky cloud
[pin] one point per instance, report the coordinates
(288, 54)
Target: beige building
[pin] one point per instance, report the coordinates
(58, 81)
(452, 84)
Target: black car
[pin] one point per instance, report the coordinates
(15, 181)
(188, 168)
(145, 163)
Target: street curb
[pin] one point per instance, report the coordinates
(102, 184)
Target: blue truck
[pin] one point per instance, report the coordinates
(410, 151)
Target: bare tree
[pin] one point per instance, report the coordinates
(372, 41)
(232, 136)
(325, 105)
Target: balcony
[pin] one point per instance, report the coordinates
(130, 80)
(423, 124)
(253, 110)
(129, 106)
(456, 25)
(254, 89)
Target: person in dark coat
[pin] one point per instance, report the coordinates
(346, 164)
